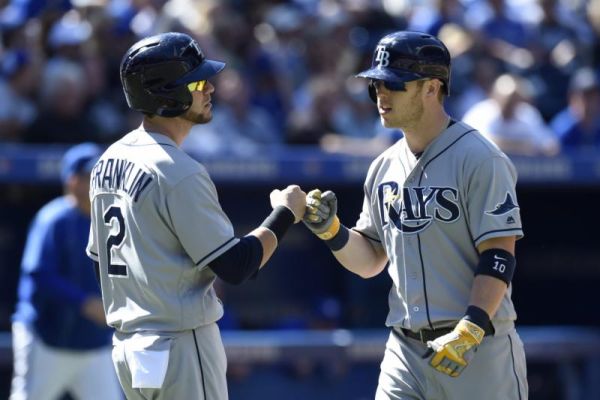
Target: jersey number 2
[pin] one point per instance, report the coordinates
(114, 212)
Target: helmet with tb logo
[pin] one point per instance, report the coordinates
(408, 56)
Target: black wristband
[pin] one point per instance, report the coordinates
(339, 240)
(279, 221)
(479, 317)
(498, 263)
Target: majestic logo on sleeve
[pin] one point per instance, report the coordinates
(502, 208)
(415, 208)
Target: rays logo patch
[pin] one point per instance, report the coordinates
(502, 208)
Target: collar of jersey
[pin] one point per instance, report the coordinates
(142, 137)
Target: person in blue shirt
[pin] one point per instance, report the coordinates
(578, 125)
(61, 342)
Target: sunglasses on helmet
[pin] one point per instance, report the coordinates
(196, 86)
(394, 86)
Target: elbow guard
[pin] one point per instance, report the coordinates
(497, 263)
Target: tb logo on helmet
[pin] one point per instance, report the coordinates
(382, 57)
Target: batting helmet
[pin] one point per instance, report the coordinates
(407, 56)
(156, 70)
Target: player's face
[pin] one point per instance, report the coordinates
(201, 110)
(400, 108)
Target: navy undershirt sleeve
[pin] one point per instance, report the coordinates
(240, 262)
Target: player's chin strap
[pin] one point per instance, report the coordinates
(498, 263)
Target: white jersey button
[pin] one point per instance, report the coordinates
(415, 309)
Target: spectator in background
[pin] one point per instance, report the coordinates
(505, 36)
(68, 35)
(578, 125)
(315, 106)
(18, 80)
(63, 115)
(238, 127)
(557, 52)
(430, 18)
(482, 74)
(509, 120)
(356, 127)
(60, 337)
(592, 12)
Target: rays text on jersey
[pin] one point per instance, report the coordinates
(114, 174)
(415, 208)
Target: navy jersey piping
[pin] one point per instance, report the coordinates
(419, 237)
(212, 252)
(512, 357)
(497, 230)
(424, 284)
(200, 364)
(441, 152)
(365, 235)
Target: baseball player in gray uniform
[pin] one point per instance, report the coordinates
(440, 211)
(159, 237)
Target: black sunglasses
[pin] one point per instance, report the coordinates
(395, 86)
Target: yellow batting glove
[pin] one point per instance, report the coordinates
(320, 216)
(449, 350)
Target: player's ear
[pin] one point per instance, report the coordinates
(431, 87)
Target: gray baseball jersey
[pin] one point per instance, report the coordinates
(429, 214)
(156, 224)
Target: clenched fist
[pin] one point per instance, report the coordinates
(321, 214)
(291, 197)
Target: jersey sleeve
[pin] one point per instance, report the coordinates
(365, 224)
(367, 221)
(492, 207)
(202, 227)
(92, 248)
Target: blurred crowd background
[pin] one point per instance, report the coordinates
(526, 73)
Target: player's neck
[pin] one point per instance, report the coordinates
(174, 128)
(429, 127)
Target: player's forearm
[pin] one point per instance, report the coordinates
(272, 230)
(360, 256)
(487, 290)
(487, 293)
(267, 240)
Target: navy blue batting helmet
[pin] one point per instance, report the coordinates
(406, 56)
(156, 70)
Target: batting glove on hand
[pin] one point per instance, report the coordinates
(449, 350)
(321, 214)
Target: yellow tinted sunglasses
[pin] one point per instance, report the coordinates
(196, 86)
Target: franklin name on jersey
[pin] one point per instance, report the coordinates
(117, 175)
